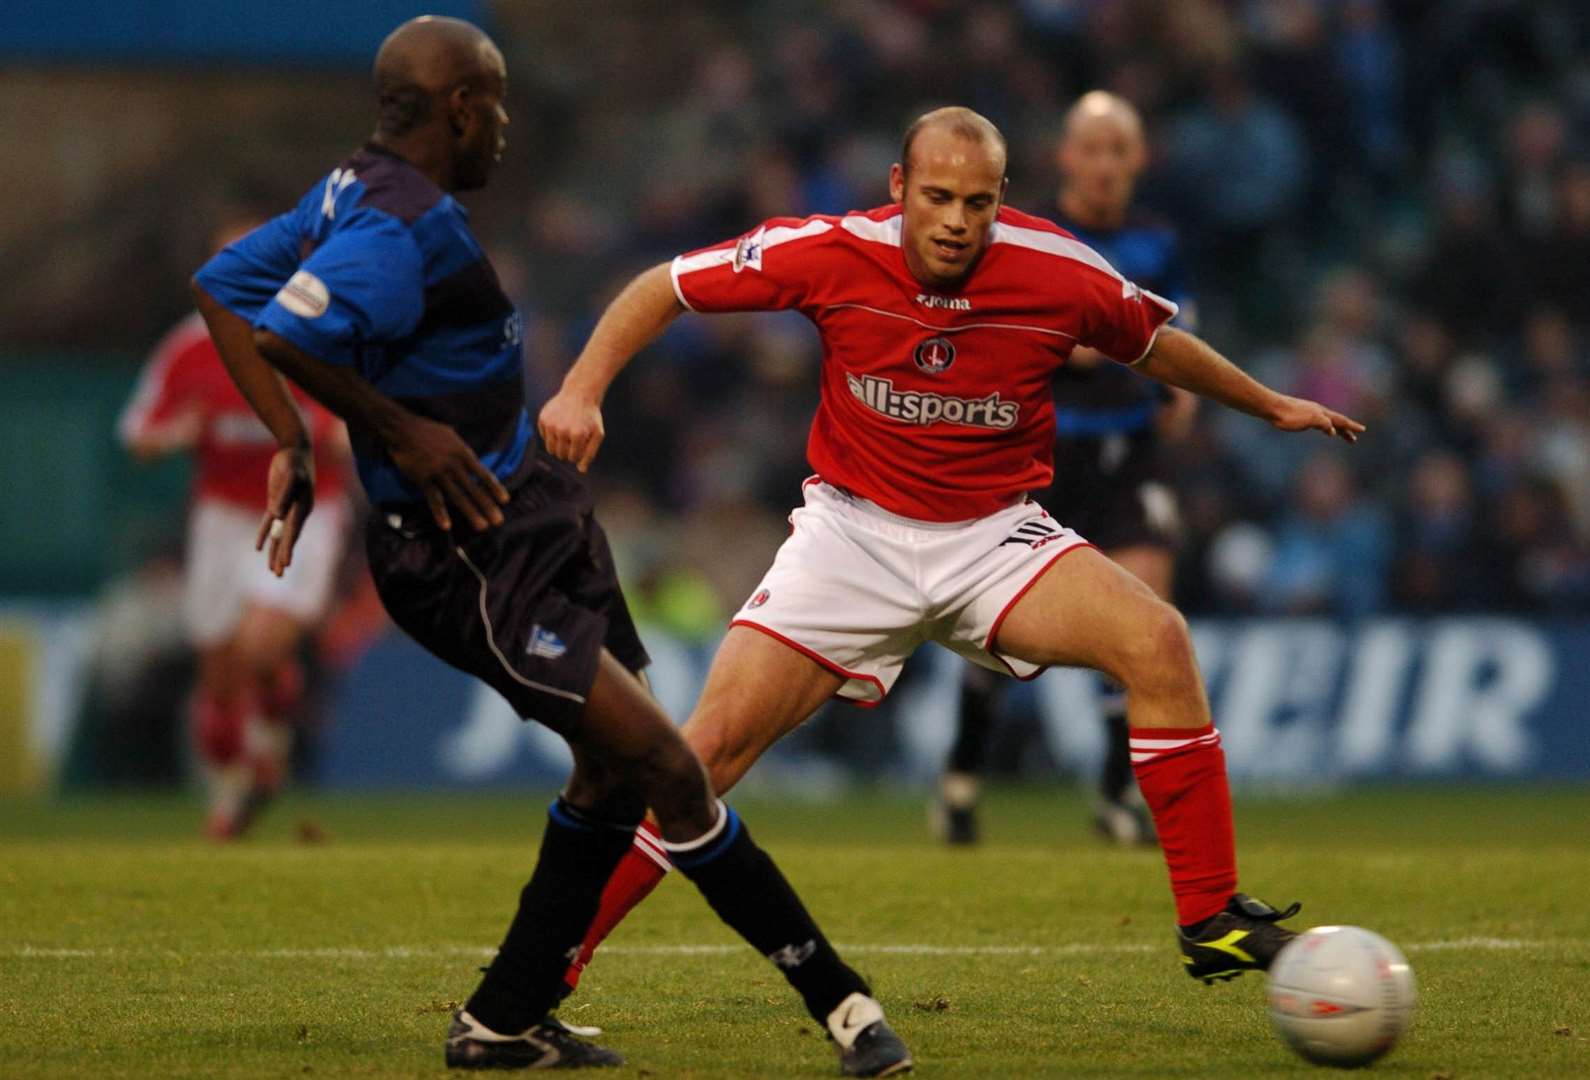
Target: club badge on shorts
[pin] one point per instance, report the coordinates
(759, 599)
(935, 355)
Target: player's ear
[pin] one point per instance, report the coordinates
(459, 114)
(897, 182)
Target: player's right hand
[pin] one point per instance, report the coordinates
(441, 464)
(289, 497)
(1300, 414)
(571, 428)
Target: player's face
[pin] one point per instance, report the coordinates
(482, 141)
(949, 196)
(1100, 159)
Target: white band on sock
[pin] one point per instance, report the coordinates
(705, 838)
(651, 847)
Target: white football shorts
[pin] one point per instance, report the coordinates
(225, 574)
(857, 588)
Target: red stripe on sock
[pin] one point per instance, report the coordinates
(1187, 792)
(637, 874)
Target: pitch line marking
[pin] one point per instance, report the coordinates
(422, 952)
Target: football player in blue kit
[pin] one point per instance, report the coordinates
(374, 296)
(1112, 478)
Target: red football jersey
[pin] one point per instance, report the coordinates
(936, 406)
(234, 449)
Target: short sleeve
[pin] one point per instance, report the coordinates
(364, 285)
(770, 268)
(1120, 318)
(244, 275)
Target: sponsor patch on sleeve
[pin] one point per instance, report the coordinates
(748, 252)
(305, 295)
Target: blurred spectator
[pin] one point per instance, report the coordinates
(1438, 540)
(1331, 547)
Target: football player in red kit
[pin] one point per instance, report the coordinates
(246, 622)
(1115, 432)
(943, 318)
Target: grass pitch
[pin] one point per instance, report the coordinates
(129, 947)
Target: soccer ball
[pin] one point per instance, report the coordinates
(1341, 995)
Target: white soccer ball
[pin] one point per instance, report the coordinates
(1341, 995)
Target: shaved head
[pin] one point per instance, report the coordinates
(422, 60)
(1101, 106)
(961, 122)
(1101, 153)
(441, 84)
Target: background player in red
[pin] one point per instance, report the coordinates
(1112, 477)
(245, 622)
(943, 318)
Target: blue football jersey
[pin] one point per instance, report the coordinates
(1109, 399)
(376, 269)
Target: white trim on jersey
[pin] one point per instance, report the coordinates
(1067, 247)
(706, 260)
(673, 276)
(879, 232)
(1150, 348)
(1050, 244)
(781, 234)
(951, 329)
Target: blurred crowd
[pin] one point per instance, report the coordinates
(1385, 206)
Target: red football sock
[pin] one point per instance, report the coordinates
(639, 872)
(218, 726)
(1182, 775)
(283, 693)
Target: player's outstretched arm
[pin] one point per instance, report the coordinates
(290, 485)
(1184, 360)
(260, 383)
(430, 454)
(571, 422)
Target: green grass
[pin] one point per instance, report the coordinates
(130, 948)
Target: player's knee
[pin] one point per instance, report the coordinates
(725, 750)
(1160, 656)
(263, 648)
(669, 774)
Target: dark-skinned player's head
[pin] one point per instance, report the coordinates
(441, 84)
(1101, 153)
(949, 181)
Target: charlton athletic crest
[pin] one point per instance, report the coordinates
(935, 355)
(759, 599)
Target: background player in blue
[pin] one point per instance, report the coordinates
(374, 296)
(1111, 479)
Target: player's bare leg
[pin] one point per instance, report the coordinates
(219, 711)
(1120, 814)
(758, 690)
(264, 649)
(1085, 610)
(628, 756)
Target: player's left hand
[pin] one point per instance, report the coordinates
(289, 497)
(1300, 414)
(571, 428)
